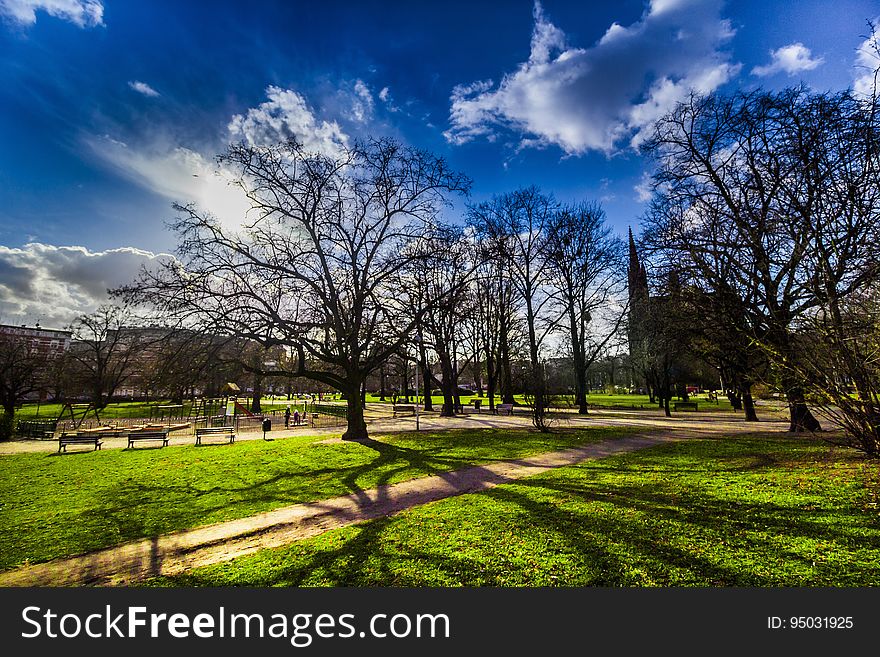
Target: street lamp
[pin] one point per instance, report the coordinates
(418, 365)
(417, 393)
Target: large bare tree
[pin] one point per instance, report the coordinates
(318, 266)
(773, 196)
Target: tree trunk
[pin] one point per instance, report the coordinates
(448, 409)
(7, 422)
(735, 399)
(491, 378)
(427, 378)
(580, 368)
(749, 404)
(504, 362)
(357, 426)
(426, 387)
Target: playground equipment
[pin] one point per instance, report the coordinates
(72, 409)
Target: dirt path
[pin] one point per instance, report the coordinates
(381, 423)
(174, 553)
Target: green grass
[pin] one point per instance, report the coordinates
(747, 511)
(149, 409)
(599, 400)
(111, 411)
(56, 505)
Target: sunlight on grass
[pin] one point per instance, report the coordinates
(58, 505)
(748, 511)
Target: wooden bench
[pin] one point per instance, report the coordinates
(215, 431)
(66, 439)
(147, 435)
(408, 409)
(504, 408)
(685, 406)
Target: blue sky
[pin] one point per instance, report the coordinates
(111, 110)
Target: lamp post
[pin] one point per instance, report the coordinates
(417, 396)
(418, 365)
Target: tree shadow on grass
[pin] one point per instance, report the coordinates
(603, 534)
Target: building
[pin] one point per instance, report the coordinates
(52, 343)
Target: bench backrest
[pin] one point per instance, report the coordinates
(216, 430)
(148, 434)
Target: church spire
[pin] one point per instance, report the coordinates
(637, 276)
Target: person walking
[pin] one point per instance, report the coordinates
(287, 417)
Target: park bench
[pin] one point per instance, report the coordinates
(66, 439)
(504, 408)
(147, 435)
(215, 431)
(685, 406)
(407, 409)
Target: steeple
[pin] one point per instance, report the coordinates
(633, 254)
(637, 276)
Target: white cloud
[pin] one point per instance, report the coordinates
(867, 62)
(583, 99)
(143, 88)
(179, 174)
(644, 189)
(54, 284)
(790, 59)
(385, 97)
(362, 104)
(284, 116)
(183, 175)
(83, 13)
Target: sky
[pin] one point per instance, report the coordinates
(112, 110)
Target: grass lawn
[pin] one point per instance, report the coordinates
(746, 511)
(150, 409)
(596, 399)
(57, 505)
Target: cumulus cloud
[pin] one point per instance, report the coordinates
(583, 99)
(143, 88)
(179, 174)
(55, 284)
(867, 62)
(286, 115)
(790, 59)
(183, 175)
(82, 13)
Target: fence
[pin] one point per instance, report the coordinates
(327, 415)
(318, 415)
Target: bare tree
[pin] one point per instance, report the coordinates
(514, 227)
(775, 197)
(24, 370)
(319, 265)
(104, 351)
(586, 270)
(443, 276)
